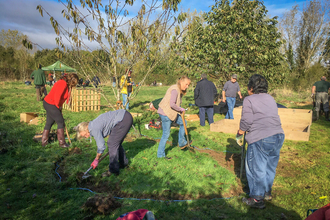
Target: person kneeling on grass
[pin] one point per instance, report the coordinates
(169, 109)
(116, 124)
(265, 138)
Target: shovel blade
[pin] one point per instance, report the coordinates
(85, 176)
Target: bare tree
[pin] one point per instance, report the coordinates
(314, 30)
(125, 41)
(306, 32)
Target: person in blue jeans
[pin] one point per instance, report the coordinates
(204, 95)
(229, 91)
(169, 110)
(265, 137)
(127, 88)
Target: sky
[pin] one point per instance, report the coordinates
(22, 15)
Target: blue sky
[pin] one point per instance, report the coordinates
(22, 15)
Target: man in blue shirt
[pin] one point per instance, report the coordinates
(229, 95)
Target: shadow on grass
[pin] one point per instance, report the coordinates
(137, 146)
(233, 159)
(214, 206)
(175, 136)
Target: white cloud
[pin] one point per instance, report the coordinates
(22, 15)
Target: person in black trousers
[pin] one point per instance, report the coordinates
(204, 95)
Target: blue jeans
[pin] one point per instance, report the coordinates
(209, 111)
(260, 164)
(125, 103)
(113, 84)
(231, 104)
(166, 126)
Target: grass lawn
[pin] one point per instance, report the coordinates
(45, 183)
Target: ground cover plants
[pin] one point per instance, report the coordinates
(45, 183)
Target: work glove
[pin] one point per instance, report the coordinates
(239, 139)
(312, 95)
(95, 163)
(182, 109)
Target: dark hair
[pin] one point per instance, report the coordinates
(39, 66)
(204, 76)
(71, 79)
(258, 84)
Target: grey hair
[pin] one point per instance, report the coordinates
(204, 76)
(83, 126)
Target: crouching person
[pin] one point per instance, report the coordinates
(265, 138)
(116, 124)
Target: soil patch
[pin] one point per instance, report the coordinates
(230, 161)
(75, 150)
(101, 204)
(130, 137)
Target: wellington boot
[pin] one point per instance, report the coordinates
(61, 138)
(44, 138)
(317, 115)
(327, 116)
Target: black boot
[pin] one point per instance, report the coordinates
(44, 138)
(327, 116)
(61, 138)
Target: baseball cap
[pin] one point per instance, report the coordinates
(234, 76)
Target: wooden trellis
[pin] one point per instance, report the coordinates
(84, 100)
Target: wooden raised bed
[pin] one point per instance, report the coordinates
(295, 123)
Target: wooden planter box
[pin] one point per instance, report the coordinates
(295, 123)
(29, 117)
(84, 100)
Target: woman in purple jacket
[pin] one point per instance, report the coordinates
(265, 137)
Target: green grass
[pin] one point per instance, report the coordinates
(30, 188)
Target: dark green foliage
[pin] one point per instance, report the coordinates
(236, 38)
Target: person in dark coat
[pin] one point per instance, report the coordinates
(96, 81)
(204, 94)
(40, 82)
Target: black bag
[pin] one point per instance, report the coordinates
(222, 108)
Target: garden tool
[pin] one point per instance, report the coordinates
(86, 175)
(241, 142)
(67, 134)
(185, 130)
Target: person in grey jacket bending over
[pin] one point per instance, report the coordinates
(116, 124)
(265, 137)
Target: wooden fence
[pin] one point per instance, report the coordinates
(84, 100)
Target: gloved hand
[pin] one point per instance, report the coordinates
(239, 139)
(312, 95)
(95, 163)
(182, 109)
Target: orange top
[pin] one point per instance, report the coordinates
(58, 94)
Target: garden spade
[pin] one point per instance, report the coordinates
(242, 142)
(185, 130)
(86, 175)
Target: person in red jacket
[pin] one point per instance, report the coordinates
(53, 105)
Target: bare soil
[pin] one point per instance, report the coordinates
(101, 204)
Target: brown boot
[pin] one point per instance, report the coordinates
(61, 138)
(44, 138)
